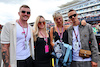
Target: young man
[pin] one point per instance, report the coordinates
(79, 37)
(17, 41)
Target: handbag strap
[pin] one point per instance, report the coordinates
(68, 54)
(57, 60)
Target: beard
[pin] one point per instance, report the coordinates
(25, 18)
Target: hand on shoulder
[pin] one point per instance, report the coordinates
(83, 22)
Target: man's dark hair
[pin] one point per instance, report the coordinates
(25, 6)
(71, 10)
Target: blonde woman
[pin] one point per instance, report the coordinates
(58, 28)
(42, 43)
(58, 33)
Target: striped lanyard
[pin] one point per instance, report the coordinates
(76, 35)
(24, 30)
(60, 35)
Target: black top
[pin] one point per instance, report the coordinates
(40, 49)
(42, 59)
(64, 38)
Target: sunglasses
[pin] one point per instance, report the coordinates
(41, 23)
(25, 12)
(72, 15)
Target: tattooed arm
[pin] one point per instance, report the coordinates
(5, 55)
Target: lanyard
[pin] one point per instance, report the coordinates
(24, 30)
(45, 38)
(60, 35)
(75, 35)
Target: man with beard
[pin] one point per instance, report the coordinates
(17, 41)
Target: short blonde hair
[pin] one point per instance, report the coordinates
(35, 27)
(56, 15)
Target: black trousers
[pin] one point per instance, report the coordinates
(81, 64)
(25, 63)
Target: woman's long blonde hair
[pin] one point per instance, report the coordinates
(35, 27)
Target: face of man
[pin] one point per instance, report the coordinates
(24, 13)
(73, 17)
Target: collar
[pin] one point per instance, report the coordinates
(13, 22)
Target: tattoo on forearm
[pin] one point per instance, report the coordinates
(5, 55)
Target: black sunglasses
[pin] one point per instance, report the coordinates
(25, 12)
(72, 15)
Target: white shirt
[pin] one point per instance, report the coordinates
(76, 48)
(22, 52)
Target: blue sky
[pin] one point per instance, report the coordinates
(9, 9)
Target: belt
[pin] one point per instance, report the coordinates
(81, 61)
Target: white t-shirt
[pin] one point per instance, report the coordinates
(21, 52)
(76, 48)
